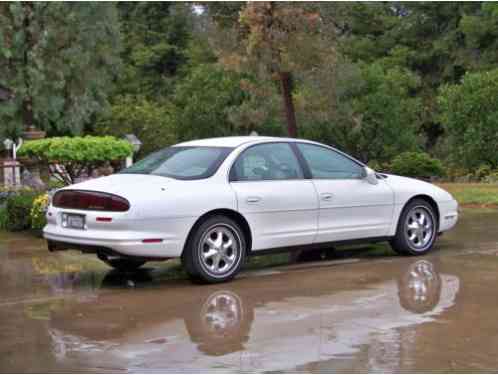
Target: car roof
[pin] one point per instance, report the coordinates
(236, 141)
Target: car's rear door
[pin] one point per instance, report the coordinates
(350, 206)
(280, 205)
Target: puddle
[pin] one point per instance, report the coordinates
(67, 312)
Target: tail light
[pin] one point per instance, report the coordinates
(90, 200)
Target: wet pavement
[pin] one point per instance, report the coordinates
(67, 312)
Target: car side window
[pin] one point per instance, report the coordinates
(269, 161)
(325, 163)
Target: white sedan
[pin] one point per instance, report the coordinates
(213, 202)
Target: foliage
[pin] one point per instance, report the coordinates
(68, 158)
(275, 42)
(54, 185)
(427, 39)
(386, 115)
(470, 116)
(59, 59)
(483, 171)
(18, 209)
(203, 100)
(150, 121)
(378, 166)
(417, 164)
(38, 211)
(362, 76)
(155, 38)
(491, 178)
(4, 217)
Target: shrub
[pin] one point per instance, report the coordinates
(18, 209)
(38, 211)
(68, 158)
(456, 173)
(469, 114)
(483, 171)
(378, 166)
(491, 178)
(3, 218)
(417, 164)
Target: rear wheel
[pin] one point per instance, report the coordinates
(124, 264)
(215, 251)
(417, 229)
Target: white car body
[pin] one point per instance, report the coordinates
(279, 213)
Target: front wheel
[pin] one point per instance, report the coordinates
(417, 229)
(215, 251)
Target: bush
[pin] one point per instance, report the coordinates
(38, 211)
(469, 114)
(491, 178)
(3, 218)
(68, 158)
(378, 166)
(18, 209)
(483, 171)
(417, 164)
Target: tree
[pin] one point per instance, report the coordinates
(274, 42)
(386, 115)
(481, 36)
(469, 114)
(429, 39)
(203, 100)
(156, 37)
(59, 59)
(151, 121)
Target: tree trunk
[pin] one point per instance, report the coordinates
(27, 110)
(27, 103)
(290, 113)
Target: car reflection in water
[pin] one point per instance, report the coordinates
(230, 328)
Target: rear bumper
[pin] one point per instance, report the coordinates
(126, 244)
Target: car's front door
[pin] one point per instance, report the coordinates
(272, 194)
(350, 206)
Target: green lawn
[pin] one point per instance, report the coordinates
(473, 194)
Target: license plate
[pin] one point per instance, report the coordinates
(73, 221)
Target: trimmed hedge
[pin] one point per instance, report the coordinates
(417, 164)
(76, 155)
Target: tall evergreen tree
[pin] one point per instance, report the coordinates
(59, 59)
(274, 42)
(428, 39)
(156, 37)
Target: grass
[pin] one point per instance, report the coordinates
(473, 194)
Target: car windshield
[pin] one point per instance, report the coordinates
(182, 163)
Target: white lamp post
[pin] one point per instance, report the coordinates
(136, 143)
(11, 175)
(8, 143)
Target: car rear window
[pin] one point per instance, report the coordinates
(182, 163)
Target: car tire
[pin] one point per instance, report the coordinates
(215, 251)
(417, 229)
(124, 264)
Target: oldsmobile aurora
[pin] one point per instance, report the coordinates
(214, 202)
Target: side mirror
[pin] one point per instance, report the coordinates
(370, 176)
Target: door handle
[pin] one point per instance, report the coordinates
(326, 196)
(253, 199)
